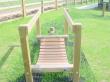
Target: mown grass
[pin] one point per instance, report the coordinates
(95, 45)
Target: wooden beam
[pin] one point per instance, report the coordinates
(68, 18)
(23, 8)
(104, 9)
(38, 27)
(42, 6)
(65, 27)
(52, 36)
(56, 4)
(51, 67)
(23, 31)
(77, 50)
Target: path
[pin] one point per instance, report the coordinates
(92, 6)
(14, 12)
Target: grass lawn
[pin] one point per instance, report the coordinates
(95, 45)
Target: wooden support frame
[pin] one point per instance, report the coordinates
(42, 6)
(56, 4)
(76, 29)
(103, 9)
(23, 8)
(77, 47)
(23, 32)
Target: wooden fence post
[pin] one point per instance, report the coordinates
(81, 2)
(77, 47)
(23, 31)
(74, 2)
(38, 27)
(42, 6)
(56, 4)
(23, 8)
(86, 1)
(104, 8)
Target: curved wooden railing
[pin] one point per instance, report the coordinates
(76, 29)
(24, 31)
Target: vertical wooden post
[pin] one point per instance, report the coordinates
(77, 47)
(65, 27)
(74, 2)
(23, 8)
(42, 6)
(104, 8)
(56, 4)
(23, 31)
(38, 27)
(86, 1)
(81, 1)
(66, 2)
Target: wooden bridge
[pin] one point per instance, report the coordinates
(52, 55)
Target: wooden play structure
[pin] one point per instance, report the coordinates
(52, 55)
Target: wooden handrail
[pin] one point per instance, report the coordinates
(76, 29)
(23, 32)
(32, 22)
(68, 18)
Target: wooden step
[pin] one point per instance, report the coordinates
(52, 40)
(53, 47)
(52, 43)
(53, 53)
(51, 36)
(51, 67)
(52, 50)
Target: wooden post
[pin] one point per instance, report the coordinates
(74, 2)
(66, 2)
(23, 31)
(104, 8)
(38, 27)
(81, 1)
(65, 27)
(86, 1)
(56, 4)
(77, 47)
(42, 6)
(23, 8)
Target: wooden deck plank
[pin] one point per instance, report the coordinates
(51, 67)
(52, 50)
(53, 40)
(52, 43)
(52, 36)
(53, 47)
(52, 53)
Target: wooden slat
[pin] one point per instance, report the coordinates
(52, 50)
(62, 55)
(52, 36)
(51, 68)
(49, 61)
(48, 58)
(52, 47)
(52, 43)
(52, 40)
(52, 53)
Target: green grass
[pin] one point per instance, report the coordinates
(95, 45)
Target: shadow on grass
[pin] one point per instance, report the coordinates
(86, 70)
(6, 55)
